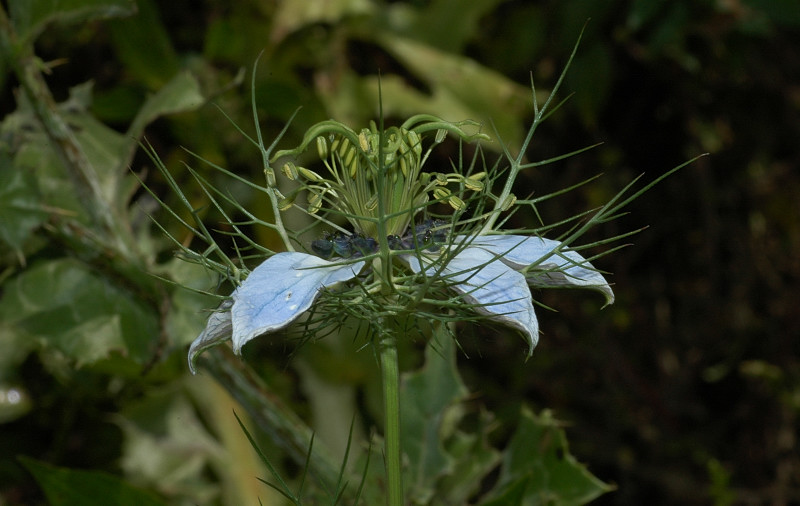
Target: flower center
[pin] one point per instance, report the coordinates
(429, 236)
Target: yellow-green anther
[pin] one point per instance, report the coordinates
(363, 142)
(289, 170)
(322, 147)
(478, 176)
(456, 203)
(414, 142)
(351, 162)
(344, 148)
(315, 203)
(508, 202)
(372, 203)
(310, 175)
(403, 166)
(269, 173)
(441, 193)
(285, 203)
(335, 141)
(473, 185)
(440, 135)
(389, 162)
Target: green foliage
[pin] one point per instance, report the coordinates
(93, 328)
(70, 487)
(538, 468)
(64, 307)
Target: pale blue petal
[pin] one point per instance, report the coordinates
(492, 286)
(218, 329)
(281, 289)
(565, 268)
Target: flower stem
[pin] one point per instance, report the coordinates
(390, 373)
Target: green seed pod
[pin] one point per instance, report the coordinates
(441, 179)
(322, 148)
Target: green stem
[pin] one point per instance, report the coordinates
(390, 372)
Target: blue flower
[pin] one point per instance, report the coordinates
(492, 274)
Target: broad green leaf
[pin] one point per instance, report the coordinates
(105, 149)
(181, 93)
(426, 396)
(537, 460)
(73, 487)
(109, 152)
(72, 309)
(20, 206)
(31, 17)
(29, 152)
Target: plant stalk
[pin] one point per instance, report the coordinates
(390, 372)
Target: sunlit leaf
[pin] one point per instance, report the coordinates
(181, 93)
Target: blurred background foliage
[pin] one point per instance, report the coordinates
(686, 391)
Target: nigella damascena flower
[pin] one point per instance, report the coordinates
(388, 262)
(491, 274)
